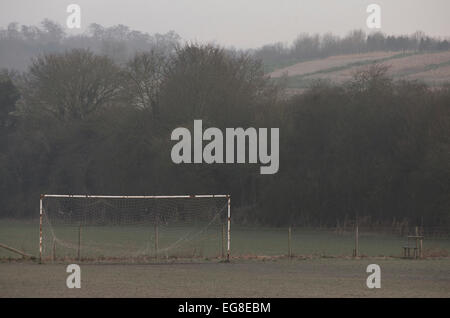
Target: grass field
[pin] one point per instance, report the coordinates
(246, 242)
(320, 277)
(322, 266)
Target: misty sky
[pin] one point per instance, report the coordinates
(239, 23)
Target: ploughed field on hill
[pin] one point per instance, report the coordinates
(433, 68)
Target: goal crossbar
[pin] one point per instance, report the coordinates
(134, 196)
(43, 196)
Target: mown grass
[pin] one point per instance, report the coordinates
(189, 242)
(325, 269)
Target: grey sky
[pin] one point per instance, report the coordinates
(239, 23)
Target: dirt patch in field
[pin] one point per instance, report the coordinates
(324, 277)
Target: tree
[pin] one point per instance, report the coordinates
(69, 86)
(205, 81)
(144, 75)
(9, 94)
(306, 46)
(376, 41)
(53, 32)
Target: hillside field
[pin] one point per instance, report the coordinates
(431, 68)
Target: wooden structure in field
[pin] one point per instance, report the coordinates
(416, 248)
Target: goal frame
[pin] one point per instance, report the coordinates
(43, 196)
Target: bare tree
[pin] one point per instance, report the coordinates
(143, 77)
(70, 85)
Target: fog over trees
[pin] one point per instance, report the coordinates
(93, 114)
(20, 43)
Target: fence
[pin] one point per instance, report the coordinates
(252, 241)
(337, 242)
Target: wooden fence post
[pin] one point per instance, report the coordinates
(156, 238)
(54, 250)
(289, 242)
(79, 243)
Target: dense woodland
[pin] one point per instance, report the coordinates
(95, 116)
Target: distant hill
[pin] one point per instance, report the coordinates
(431, 68)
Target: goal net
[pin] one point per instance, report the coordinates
(133, 228)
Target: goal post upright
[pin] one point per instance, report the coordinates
(228, 227)
(40, 227)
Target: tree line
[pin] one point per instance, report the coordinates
(80, 122)
(19, 43)
(309, 46)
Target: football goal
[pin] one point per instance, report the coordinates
(133, 228)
